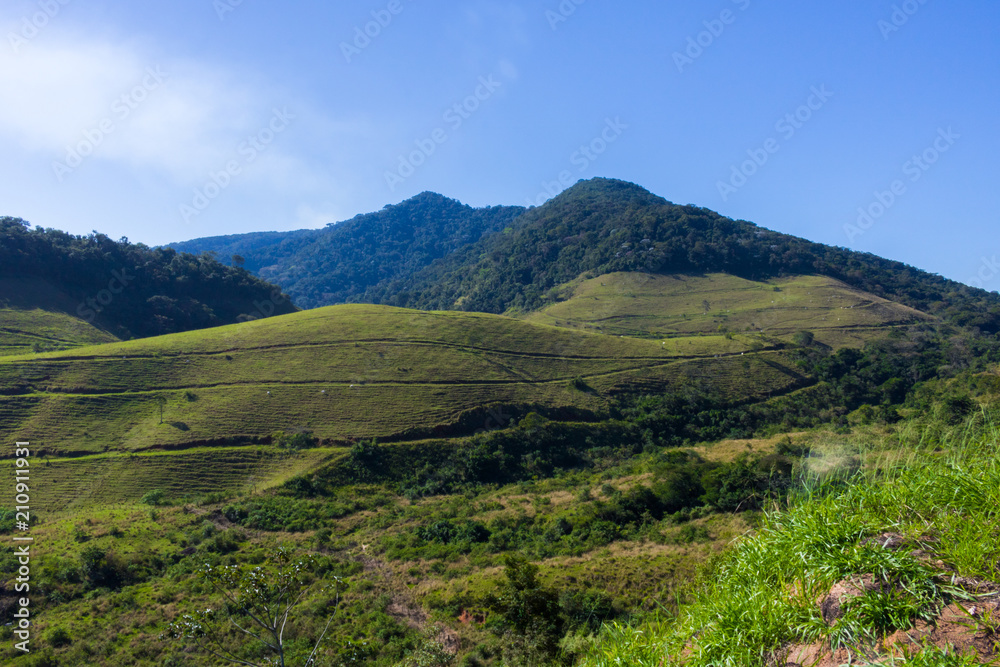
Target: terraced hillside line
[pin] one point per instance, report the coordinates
(68, 483)
(839, 315)
(69, 357)
(156, 394)
(341, 384)
(112, 377)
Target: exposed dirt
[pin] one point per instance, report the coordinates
(401, 607)
(965, 626)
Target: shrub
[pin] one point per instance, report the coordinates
(103, 568)
(58, 637)
(154, 497)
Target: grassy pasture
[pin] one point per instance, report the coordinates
(642, 305)
(33, 312)
(109, 479)
(343, 372)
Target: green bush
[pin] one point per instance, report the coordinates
(154, 497)
(58, 637)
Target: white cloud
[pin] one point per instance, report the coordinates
(176, 116)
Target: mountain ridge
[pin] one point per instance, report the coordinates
(606, 225)
(344, 261)
(515, 259)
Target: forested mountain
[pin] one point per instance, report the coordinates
(258, 249)
(349, 261)
(602, 226)
(130, 289)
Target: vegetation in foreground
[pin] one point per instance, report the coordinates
(429, 581)
(898, 567)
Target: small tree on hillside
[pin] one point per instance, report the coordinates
(259, 601)
(529, 614)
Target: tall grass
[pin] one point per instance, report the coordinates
(941, 491)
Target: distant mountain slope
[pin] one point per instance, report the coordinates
(605, 226)
(125, 289)
(347, 261)
(258, 249)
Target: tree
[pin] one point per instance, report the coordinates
(804, 338)
(258, 603)
(529, 612)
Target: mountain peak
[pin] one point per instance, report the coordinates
(606, 189)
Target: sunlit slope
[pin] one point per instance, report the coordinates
(35, 314)
(103, 479)
(347, 372)
(639, 304)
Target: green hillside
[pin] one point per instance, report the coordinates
(606, 226)
(648, 305)
(346, 261)
(36, 316)
(124, 289)
(345, 373)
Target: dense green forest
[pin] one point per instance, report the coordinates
(133, 290)
(344, 262)
(602, 225)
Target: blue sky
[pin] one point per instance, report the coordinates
(169, 120)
